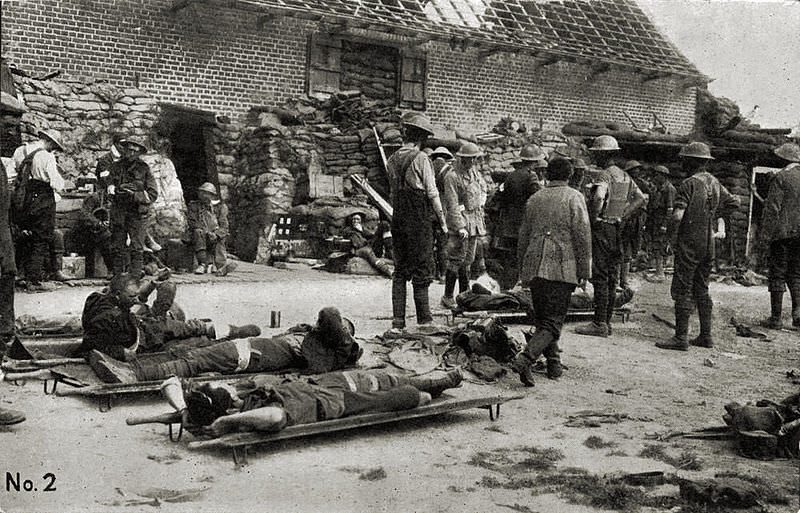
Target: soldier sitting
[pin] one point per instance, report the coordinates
(208, 225)
(362, 247)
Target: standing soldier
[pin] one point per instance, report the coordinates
(442, 162)
(555, 252)
(464, 198)
(659, 213)
(414, 199)
(578, 174)
(208, 224)
(519, 185)
(132, 188)
(631, 230)
(7, 271)
(612, 199)
(36, 189)
(700, 203)
(781, 229)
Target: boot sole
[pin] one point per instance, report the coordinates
(102, 368)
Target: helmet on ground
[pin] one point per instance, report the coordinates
(53, 136)
(696, 150)
(469, 149)
(420, 121)
(788, 151)
(604, 143)
(631, 164)
(443, 152)
(208, 187)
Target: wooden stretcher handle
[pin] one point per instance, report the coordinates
(19, 376)
(164, 418)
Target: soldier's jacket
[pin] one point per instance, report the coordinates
(520, 185)
(135, 185)
(614, 192)
(704, 200)
(661, 203)
(781, 218)
(209, 218)
(464, 198)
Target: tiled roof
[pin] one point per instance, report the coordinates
(608, 31)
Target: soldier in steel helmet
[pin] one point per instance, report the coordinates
(700, 204)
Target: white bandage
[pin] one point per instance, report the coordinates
(243, 351)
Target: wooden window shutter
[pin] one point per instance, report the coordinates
(412, 80)
(324, 63)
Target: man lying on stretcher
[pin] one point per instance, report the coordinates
(254, 404)
(325, 347)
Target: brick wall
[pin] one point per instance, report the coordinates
(228, 60)
(465, 91)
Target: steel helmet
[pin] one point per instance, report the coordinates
(136, 141)
(469, 149)
(578, 163)
(531, 152)
(662, 169)
(441, 151)
(788, 151)
(696, 150)
(631, 164)
(420, 121)
(209, 188)
(52, 135)
(604, 143)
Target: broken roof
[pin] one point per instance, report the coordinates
(603, 31)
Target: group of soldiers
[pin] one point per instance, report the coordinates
(563, 223)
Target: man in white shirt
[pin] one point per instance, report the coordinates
(34, 212)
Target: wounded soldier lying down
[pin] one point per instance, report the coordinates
(325, 347)
(254, 406)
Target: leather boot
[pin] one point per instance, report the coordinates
(110, 370)
(383, 268)
(600, 303)
(398, 303)
(165, 296)
(704, 309)
(794, 291)
(593, 330)
(9, 417)
(678, 341)
(624, 271)
(659, 277)
(776, 309)
(435, 386)
(522, 365)
(422, 304)
(246, 331)
(553, 355)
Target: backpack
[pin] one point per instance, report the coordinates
(20, 190)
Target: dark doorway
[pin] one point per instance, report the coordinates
(190, 133)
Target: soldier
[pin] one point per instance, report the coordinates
(36, 189)
(7, 271)
(363, 244)
(554, 253)
(442, 162)
(578, 174)
(613, 198)
(700, 203)
(780, 227)
(415, 200)
(519, 185)
(659, 212)
(132, 188)
(208, 222)
(92, 232)
(631, 230)
(464, 198)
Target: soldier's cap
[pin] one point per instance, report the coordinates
(419, 121)
(604, 143)
(631, 164)
(578, 163)
(209, 188)
(52, 135)
(662, 169)
(443, 152)
(696, 150)
(469, 149)
(788, 151)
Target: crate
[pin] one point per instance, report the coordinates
(320, 185)
(73, 267)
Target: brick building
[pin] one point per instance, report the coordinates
(199, 72)
(466, 63)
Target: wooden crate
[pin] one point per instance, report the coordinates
(324, 185)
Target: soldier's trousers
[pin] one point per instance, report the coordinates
(606, 257)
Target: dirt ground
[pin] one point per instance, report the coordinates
(99, 463)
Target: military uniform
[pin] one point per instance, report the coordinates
(92, 232)
(660, 206)
(8, 267)
(464, 198)
(780, 227)
(210, 230)
(134, 191)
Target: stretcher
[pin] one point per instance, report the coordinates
(107, 393)
(240, 442)
(522, 317)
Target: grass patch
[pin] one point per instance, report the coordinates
(766, 491)
(686, 461)
(595, 442)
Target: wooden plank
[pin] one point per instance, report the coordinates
(329, 426)
(384, 205)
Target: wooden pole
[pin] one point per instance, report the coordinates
(750, 215)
